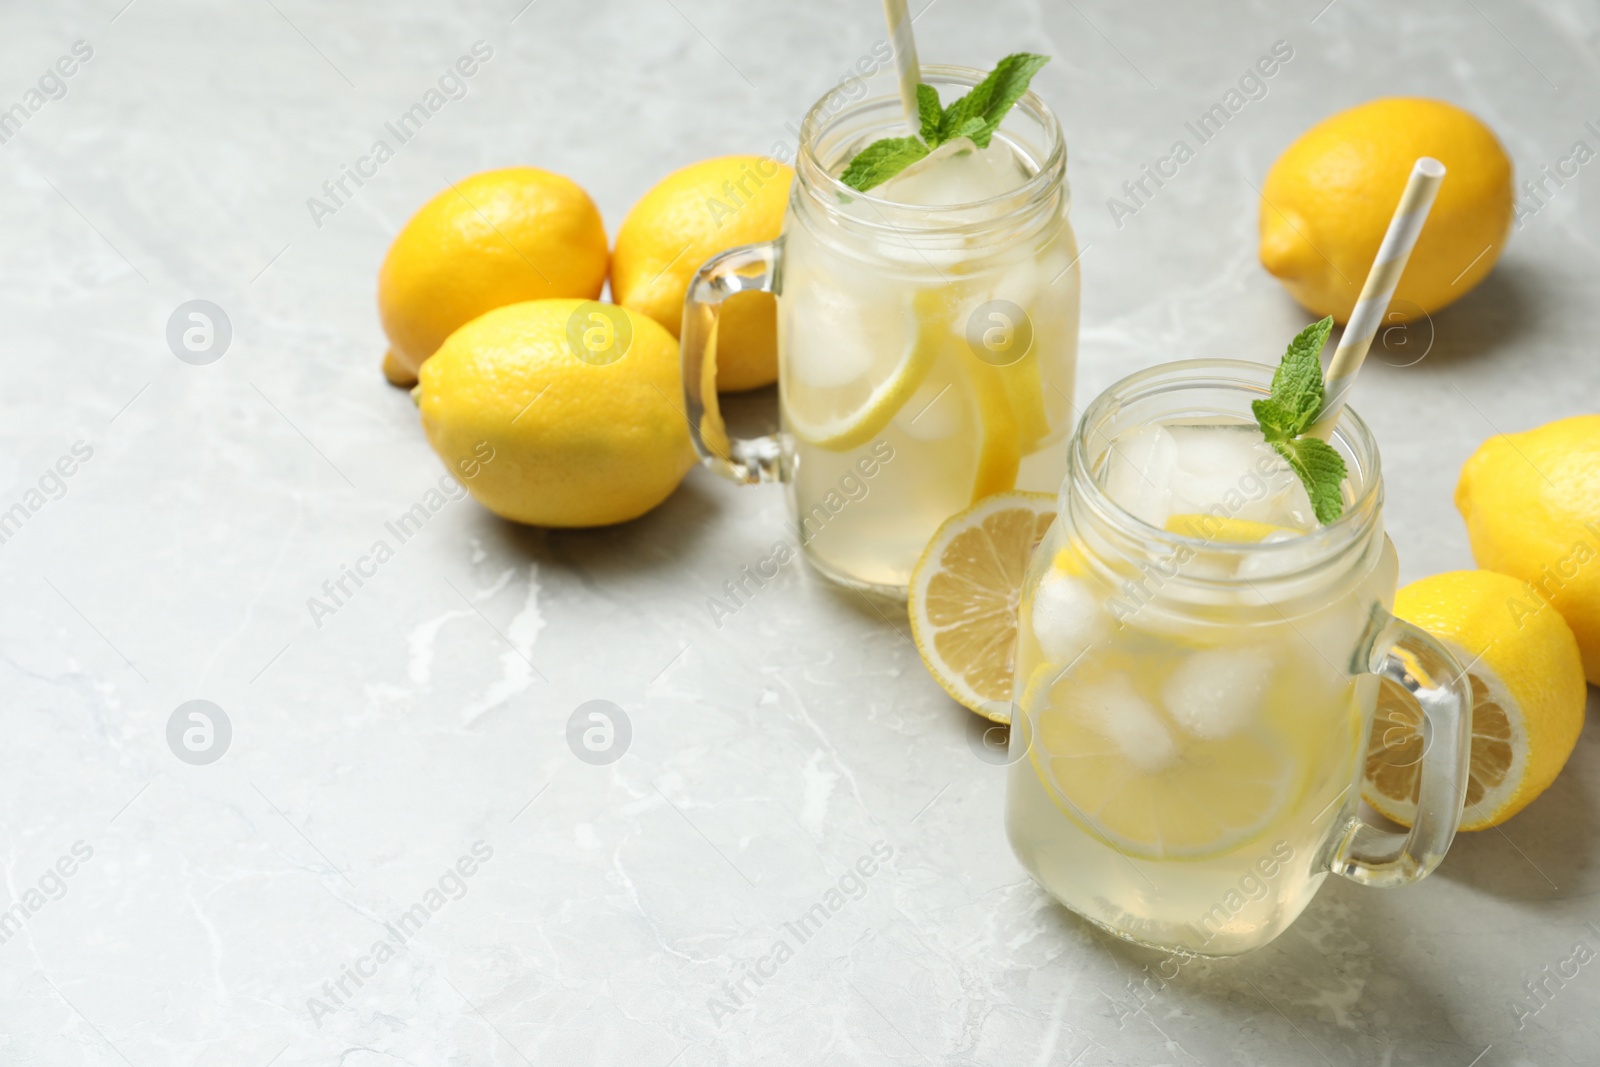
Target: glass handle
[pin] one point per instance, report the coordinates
(1411, 658)
(738, 270)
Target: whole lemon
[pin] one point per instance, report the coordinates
(688, 217)
(1532, 505)
(1328, 199)
(559, 412)
(496, 238)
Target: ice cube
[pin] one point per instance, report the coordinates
(1062, 257)
(1114, 707)
(1286, 503)
(836, 334)
(957, 172)
(1066, 617)
(983, 316)
(1216, 692)
(1140, 473)
(933, 412)
(1230, 471)
(1259, 566)
(1327, 641)
(1020, 285)
(1281, 573)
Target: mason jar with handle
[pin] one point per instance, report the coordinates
(1194, 692)
(927, 334)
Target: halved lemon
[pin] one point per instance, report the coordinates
(964, 593)
(1528, 697)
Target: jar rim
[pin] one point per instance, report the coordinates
(828, 191)
(1331, 540)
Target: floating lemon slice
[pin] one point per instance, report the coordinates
(1000, 451)
(845, 417)
(1024, 382)
(1115, 766)
(1072, 560)
(964, 593)
(1226, 530)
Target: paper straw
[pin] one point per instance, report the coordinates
(905, 60)
(1377, 290)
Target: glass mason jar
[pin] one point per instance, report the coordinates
(1191, 713)
(926, 353)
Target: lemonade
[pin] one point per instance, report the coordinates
(927, 330)
(1259, 725)
(1192, 698)
(955, 357)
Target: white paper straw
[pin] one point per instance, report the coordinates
(905, 60)
(1378, 289)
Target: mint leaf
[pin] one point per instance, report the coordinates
(1298, 379)
(1322, 472)
(929, 112)
(966, 116)
(969, 127)
(990, 99)
(977, 115)
(1291, 408)
(882, 160)
(1296, 386)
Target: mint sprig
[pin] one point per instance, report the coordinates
(929, 113)
(977, 116)
(1291, 408)
(882, 160)
(1321, 471)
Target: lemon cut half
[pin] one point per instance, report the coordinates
(964, 593)
(1528, 699)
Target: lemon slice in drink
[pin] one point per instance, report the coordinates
(1024, 384)
(964, 593)
(847, 415)
(1528, 697)
(1000, 449)
(1116, 766)
(1227, 530)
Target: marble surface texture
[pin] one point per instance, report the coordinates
(421, 730)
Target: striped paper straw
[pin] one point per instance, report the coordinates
(905, 60)
(1377, 290)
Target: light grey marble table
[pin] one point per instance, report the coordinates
(219, 914)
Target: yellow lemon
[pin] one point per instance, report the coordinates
(559, 412)
(1328, 199)
(1528, 699)
(493, 239)
(688, 217)
(964, 594)
(1532, 505)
